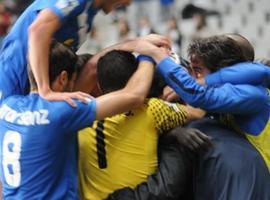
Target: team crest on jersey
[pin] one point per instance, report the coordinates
(66, 6)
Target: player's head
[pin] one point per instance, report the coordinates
(116, 67)
(62, 68)
(208, 55)
(108, 5)
(244, 44)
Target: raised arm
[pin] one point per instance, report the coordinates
(228, 98)
(235, 99)
(132, 96)
(40, 34)
(86, 82)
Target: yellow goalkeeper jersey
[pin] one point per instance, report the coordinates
(121, 151)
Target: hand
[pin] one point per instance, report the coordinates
(67, 96)
(158, 40)
(169, 95)
(146, 48)
(191, 138)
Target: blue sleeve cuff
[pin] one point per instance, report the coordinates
(141, 58)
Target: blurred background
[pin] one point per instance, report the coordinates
(181, 20)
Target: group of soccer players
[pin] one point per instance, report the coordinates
(40, 114)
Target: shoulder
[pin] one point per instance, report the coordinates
(64, 8)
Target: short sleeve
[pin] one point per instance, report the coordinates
(67, 8)
(166, 115)
(80, 117)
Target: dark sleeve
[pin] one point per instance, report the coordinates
(233, 169)
(173, 178)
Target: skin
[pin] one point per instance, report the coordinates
(87, 81)
(199, 69)
(132, 96)
(158, 54)
(40, 35)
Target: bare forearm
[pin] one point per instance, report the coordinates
(40, 34)
(130, 97)
(87, 81)
(158, 55)
(38, 58)
(141, 81)
(194, 113)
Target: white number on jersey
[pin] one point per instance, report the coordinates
(11, 154)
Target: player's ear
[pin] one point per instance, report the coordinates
(60, 82)
(63, 78)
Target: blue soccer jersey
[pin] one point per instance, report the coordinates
(254, 73)
(13, 57)
(247, 107)
(250, 104)
(38, 147)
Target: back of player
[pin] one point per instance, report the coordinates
(121, 151)
(38, 137)
(13, 59)
(247, 106)
(34, 149)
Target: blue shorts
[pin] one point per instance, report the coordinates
(13, 70)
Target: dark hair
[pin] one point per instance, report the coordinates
(244, 44)
(157, 86)
(61, 58)
(216, 52)
(115, 68)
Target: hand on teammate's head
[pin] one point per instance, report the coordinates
(158, 40)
